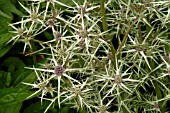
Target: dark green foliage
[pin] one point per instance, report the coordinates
(11, 99)
(6, 10)
(4, 38)
(97, 56)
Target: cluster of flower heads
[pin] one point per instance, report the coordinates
(81, 61)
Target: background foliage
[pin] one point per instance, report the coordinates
(84, 56)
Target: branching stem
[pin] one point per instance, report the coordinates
(105, 29)
(126, 35)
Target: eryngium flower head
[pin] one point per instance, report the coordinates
(50, 22)
(118, 79)
(57, 36)
(59, 70)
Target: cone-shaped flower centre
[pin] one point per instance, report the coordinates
(59, 70)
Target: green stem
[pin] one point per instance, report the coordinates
(157, 88)
(104, 22)
(33, 49)
(105, 29)
(158, 31)
(124, 109)
(148, 28)
(140, 33)
(126, 35)
(53, 10)
(159, 96)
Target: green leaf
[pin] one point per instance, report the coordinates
(48, 35)
(10, 96)
(14, 108)
(4, 49)
(11, 99)
(5, 36)
(8, 8)
(37, 107)
(3, 80)
(19, 74)
(13, 64)
(4, 23)
(5, 15)
(27, 76)
(65, 109)
(8, 79)
(3, 40)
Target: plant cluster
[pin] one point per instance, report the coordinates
(97, 56)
